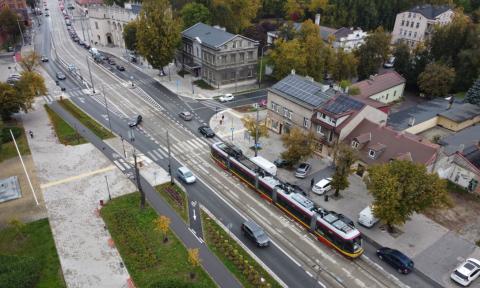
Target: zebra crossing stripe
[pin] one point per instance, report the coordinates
(151, 155)
(200, 143)
(163, 153)
(120, 165)
(177, 149)
(157, 153)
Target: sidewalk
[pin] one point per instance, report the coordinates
(435, 250)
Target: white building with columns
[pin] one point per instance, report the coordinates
(106, 23)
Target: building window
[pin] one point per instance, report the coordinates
(274, 106)
(408, 22)
(355, 144)
(387, 97)
(411, 24)
(305, 122)
(394, 93)
(290, 115)
(285, 112)
(250, 55)
(250, 73)
(409, 15)
(96, 25)
(418, 24)
(371, 154)
(224, 59)
(242, 57)
(409, 33)
(240, 44)
(234, 44)
(233, 58)
(319, 130)
(233, 75)
(415, 35)
(403, 22)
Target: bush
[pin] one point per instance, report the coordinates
(5, 136)
(19, 271)
(204, 85)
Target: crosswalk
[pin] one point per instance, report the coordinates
(194, 145)
(122, 164)
(213, 104)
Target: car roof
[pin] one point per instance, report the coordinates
(183, 169)
(252, 225)
(397, 254)
(469, 266)
(186, 112)
(324, 181)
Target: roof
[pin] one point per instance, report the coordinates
(301, 90)
(209, 35)
(463, 138)
(460, 113)
(343, 32)
(325, 32)
(395, 145)
(472, 154)
(430, 11)
(342, 104)
(378, 83)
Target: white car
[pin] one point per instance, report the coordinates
(226, 97)
(186, 175)
(390, 62)
(466, 273)
(322, 186)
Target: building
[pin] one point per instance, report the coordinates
(416, 25)
(463, 168)
(344, 38)
(384, 88)
(106, 23)
(17, 6)
(218, 57)
(378, 144)
(292, 101)
(335, 119)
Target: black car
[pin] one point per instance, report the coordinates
(206, 131)
(396, 259)
(135, 121)
(120, 68)
(281, 163)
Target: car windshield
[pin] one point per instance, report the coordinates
(470, 266)
(464, 277)
(258, 233)
(188, 174)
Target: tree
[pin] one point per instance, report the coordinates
(235, 15)
(299, 145)
(194, 260)
(345, 65)
(317, 5)
(373, 53)
(31, 84)
(293, 10)
(251, 125)
(315, 50)
(158, 33)
(436, 80)
(473, 94)
(354, 90)
(286, 56)
(10, 24)
(193, 13)
(401, 188)
(30, 61)
(162, 224)
(9, 102)
(130, 35)
(345, 157)
(402, 55)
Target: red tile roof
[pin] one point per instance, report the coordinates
(378, 83)
(394, 145)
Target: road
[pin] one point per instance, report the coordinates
(294, 254)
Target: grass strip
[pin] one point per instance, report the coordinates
(150, 261)
(175, 197)
(86, 120)
(7, 149)
(32, 257)
(204, 85)
(237, 260)
(65, 133)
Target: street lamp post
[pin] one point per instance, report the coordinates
(256, 135)
(21, 32)
(261, 65)
(90, 72)
(108, 188)
(169, 159)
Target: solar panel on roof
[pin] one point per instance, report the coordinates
(304, 90)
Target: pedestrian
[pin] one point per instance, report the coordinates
(221, 121)
(223, 116)
(31, 133)
(312, 182)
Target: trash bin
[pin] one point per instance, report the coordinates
(325, 198)
(101, 202)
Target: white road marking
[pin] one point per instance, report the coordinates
(151, 155)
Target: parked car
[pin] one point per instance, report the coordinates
(185, 115)
(135, 121)
(253, 231)
(226, 98)
(186, 175)
(71, 68)
(111, 62)
(390, 62)
(46, 14)
(206, 131)
(366, 217)
(281, 163)
(87, 46)
(120, 68)
(302, 170)
(396, 259)
(322, 186)
(466, 273)
(61, 76)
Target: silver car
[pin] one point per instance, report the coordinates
(302, 170)
(186, 175)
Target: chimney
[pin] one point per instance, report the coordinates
(317, 19)
(309, 78)
(293, 72)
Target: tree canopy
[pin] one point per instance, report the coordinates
(286, 56)
(436, 80)
(193, 13)
(130, 35)
(235, 15)
(373, 53)
(473, 94)
(344, 159)
(10, 24)
(299, 145)
(401, 188)
(158, 33)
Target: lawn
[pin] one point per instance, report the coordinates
(175, 197)
(239, 262)
(150, 262)
(65, 133)
(7, 149)
(29, 257)
(202, 84)
(86, 120)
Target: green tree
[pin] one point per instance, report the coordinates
(345, 65)
(287, 31)
(10, 24)
(299, 145)
(473, 94)
(10, 103)
(158, 33)
(30, 61)
(373, 53)
(402, 55)
(31, 84)
(193, 13)
(130, 35)
(344, 159)
(293, 10)
(286, 56)
(401, 188)
(235, 15)
(436, 80)
(315, 50)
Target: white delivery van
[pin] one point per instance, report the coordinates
(265, 165)
(366, 217)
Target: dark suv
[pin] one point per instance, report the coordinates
(396, 259)
(253, 231)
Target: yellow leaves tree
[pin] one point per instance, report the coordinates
(235, 15)
(317, 5)
(286, 56)
(30, 61)
(299, 145)
(294, 10)
(162, 224)
(250, 123)
(194, 260)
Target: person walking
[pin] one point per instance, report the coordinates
(31, 133)
(312, 182)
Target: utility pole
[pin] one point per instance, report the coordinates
(21, 33)
(169, 160)
(108, 188)
(90, 72)
(256, 135)
(137, 172)
(106, 107)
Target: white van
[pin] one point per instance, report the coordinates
(265, 165)
(366, 217)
